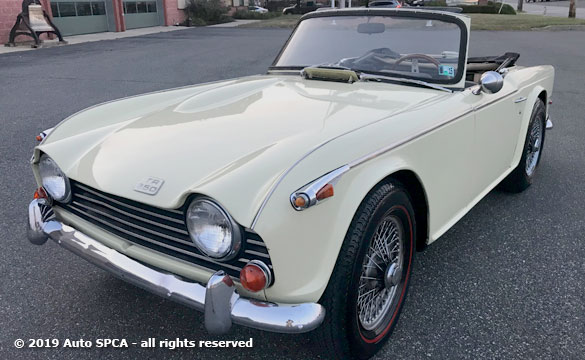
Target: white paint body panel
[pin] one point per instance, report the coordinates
(233, 140)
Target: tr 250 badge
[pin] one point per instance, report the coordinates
(149, 185)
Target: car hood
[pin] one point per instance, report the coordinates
(229, 140)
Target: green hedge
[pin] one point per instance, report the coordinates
(245, 14)
(206, 12)
(490, 8)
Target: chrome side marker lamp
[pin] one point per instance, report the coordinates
(318, 190)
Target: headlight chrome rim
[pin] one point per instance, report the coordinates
(236, 235)
(46, 159)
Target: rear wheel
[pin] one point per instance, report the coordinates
(368, 285)
(522, 176)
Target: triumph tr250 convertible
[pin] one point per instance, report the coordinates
(295, 201)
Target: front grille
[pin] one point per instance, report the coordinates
(162, 230)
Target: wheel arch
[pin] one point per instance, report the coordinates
(539, 92)
(415, 189)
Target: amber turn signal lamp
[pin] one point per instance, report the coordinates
(300, 202)
(254, 277)
(40, 193)
(325, 192)
(39, 138)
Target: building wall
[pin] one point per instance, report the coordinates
(173, 15)
(9, 9)
(8, 12)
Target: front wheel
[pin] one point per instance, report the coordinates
(370, 279)
(522, 176)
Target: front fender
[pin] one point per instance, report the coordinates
(304, 245)
(531, 82)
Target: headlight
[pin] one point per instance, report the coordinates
(212, 230)
(54, 180)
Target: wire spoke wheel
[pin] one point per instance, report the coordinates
(381, 273)
(534, 146)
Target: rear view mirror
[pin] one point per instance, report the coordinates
(371, 28)
(490, 83)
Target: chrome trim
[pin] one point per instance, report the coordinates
(218, 300)
(140, 218)
(488, 103)
(520, 99)
(320, 182)
(372, 77)
(549, 123)
(317, 147)
(385, 149)
(265, 269)
(490, 82)
(372, 155)
(310, 190)
(257, 253)
(76, 206)
(255, 242)
(68, 190)
(34, 231)
(147, 239)
(218, 295)
(45, 133)
(84, 188)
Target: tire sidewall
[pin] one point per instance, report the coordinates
(396, 202)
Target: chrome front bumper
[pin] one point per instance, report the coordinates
(218, 300)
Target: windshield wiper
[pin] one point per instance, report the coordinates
(372, 77)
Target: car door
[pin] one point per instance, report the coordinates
(497, 123)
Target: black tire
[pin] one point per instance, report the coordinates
(342, 336)
(519, 179)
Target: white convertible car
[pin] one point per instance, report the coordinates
(295, 201)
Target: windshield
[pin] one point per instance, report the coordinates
(401, 46)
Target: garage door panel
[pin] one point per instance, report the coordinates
(139, 14)
(80, 16)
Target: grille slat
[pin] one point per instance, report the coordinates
(177, 229)
(252, 252)
(130, 233)
(130, 224)
(177, 219)
(159, 229)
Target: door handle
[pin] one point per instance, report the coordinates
(520, 99)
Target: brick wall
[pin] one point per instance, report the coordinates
(173, 14)
(9, 9)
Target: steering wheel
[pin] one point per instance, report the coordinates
(414, 65)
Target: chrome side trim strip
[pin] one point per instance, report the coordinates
(385, 149)
(372, 155)
(494, 101)
(317, 147)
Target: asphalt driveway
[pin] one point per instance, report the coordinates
(507, 282)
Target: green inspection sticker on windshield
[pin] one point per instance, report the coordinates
(447, 70)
